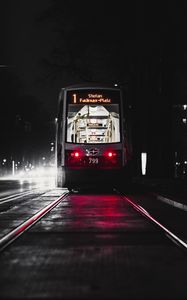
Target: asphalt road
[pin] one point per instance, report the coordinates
(91, 246)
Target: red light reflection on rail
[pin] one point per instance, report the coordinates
(30, 221)
(100, 212)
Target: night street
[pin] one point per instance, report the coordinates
(93, 150)
(92, 245)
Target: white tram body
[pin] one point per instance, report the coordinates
(92, 145)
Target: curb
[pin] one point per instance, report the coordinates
(172, 202)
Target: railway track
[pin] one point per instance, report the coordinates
(15, 233)
(98, 245)
(173, 237)
(16, 196)
(12, 235)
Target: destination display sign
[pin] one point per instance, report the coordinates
(93, 97)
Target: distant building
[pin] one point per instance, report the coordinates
(179, 134)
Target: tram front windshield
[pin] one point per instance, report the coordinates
(93, 117)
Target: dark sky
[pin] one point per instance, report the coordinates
(28, 105)
(144, 31)
(144, 41)
(28, 42)
(140, 24)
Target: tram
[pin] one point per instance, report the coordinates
(93, 144)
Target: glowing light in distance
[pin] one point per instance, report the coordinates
(144, 162)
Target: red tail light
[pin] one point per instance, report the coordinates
(73, 158)
(75, 154)
(78, 159)
(111, 154)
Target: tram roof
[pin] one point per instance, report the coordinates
(90, 85)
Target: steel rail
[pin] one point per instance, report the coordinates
(14, 197)
(167, 232)
(15, 233)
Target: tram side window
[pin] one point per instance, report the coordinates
(93, 124)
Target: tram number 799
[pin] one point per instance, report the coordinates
(93, 160)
